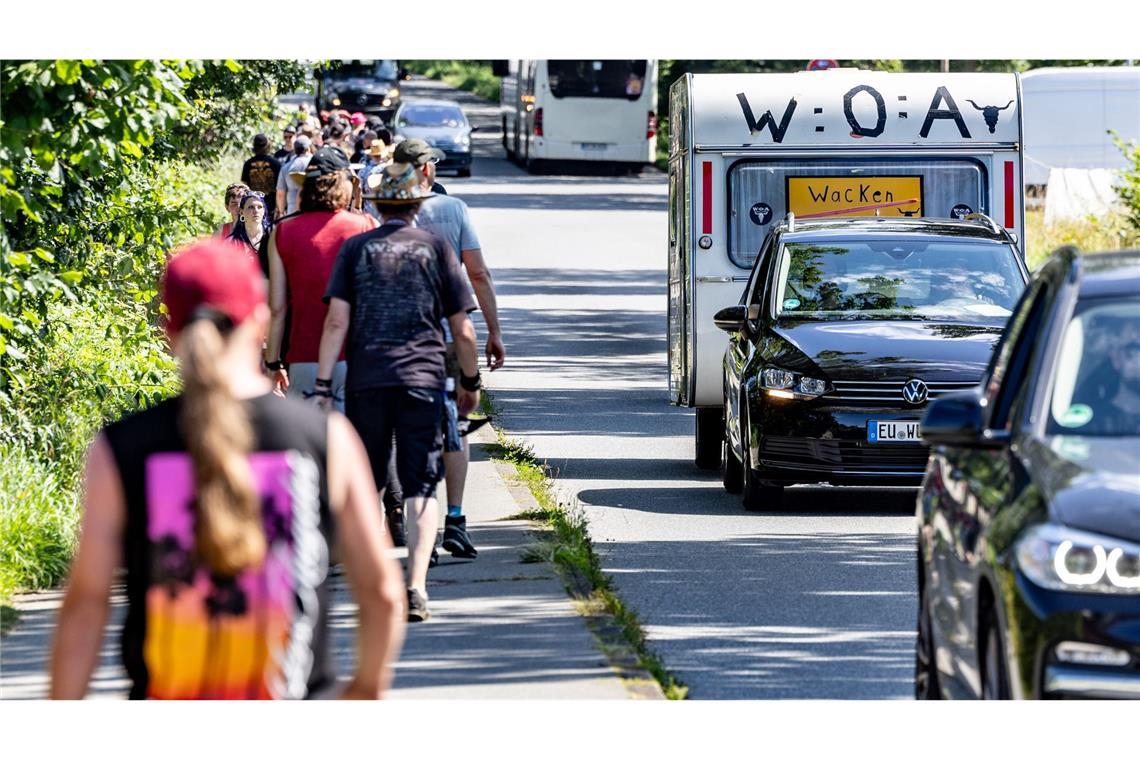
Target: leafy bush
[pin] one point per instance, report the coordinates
(37, 523)
(105, 167)
(1128, 188)
(472, 76)
(1108, 233)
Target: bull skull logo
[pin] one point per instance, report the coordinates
(990, 113)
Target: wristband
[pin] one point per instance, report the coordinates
(275, 365)
(322, 383)
(473, 383)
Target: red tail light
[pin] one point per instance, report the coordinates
(651, 126)
(538, 123)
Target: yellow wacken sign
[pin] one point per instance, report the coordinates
(823, 197)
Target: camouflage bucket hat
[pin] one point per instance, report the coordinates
(397, 183)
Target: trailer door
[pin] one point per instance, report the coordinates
(678, 285)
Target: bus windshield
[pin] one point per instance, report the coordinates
(597, 79)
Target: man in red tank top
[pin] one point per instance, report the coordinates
(302, 250)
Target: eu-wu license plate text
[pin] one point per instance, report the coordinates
(594, 146)
(893, 431)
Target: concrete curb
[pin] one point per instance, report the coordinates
(608, 635)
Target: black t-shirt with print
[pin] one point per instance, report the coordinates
(401, 283)
(260, 173)
(192, 634)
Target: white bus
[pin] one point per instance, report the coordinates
(601, 111)
(746, 149)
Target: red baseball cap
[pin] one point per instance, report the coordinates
(357, 118)
(215, 273)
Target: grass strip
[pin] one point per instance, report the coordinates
(566, 545)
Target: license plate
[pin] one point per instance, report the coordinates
(594, 146)
(893, 431)
(823, 197)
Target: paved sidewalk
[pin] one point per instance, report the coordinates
(499, 628)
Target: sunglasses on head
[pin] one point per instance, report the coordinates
(253, 194)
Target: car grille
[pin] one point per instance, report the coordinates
(843, 457)
(357, 98)
(888, 393)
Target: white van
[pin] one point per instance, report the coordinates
(747, 149)
(602, 111)
(1068, 112)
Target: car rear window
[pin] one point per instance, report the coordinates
(898, 278)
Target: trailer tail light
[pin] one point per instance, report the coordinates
(1009, 195)
(651, 126)
(706, 197)
(538, 122)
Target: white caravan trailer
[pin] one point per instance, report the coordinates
(1068, 112)
(746, 149)
(604, 110)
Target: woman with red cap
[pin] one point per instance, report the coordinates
(223, 505)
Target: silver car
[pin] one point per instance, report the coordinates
(442, 124)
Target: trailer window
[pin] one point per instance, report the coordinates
(596, 79)
(758, 192)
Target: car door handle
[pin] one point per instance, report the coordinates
(722, 279)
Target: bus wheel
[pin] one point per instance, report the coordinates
(709, 433)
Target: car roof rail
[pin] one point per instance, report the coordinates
(984, 218)
(790, 221)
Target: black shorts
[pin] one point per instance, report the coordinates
(413, 413)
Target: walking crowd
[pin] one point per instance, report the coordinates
(329, 366)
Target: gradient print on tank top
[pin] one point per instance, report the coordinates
(212, 637)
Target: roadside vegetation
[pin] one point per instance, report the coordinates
(472, 76)
(105, 167)
(567, 545)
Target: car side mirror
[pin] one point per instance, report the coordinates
(958, 419)
(731, 319)
(402, 73)
(474, 128)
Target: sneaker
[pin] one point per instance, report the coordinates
(395, 520)
(417, 607)
(456, 540)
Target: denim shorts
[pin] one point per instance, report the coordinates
(414, 414)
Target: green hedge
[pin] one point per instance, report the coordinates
(473, 76)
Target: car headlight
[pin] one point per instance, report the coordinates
(394, 93)
(780, 383)
(464, 140)
(1062, 559)
(334, 98)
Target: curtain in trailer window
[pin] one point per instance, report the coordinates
(758, 192)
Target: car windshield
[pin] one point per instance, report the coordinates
(898, 278)
(597, 79)
(1096, 390)
(431, 116)
(370, 69)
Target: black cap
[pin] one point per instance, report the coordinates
(417, 152)
(327, 160)
(260, 141)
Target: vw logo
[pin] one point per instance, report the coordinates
(915, 391)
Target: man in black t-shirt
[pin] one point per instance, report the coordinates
(260, 173)
(389, 291)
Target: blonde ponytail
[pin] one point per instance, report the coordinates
(229, 532)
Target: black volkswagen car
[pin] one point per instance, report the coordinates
(1029, 514)
(846, 329)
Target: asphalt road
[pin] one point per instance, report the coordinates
(815, 602)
